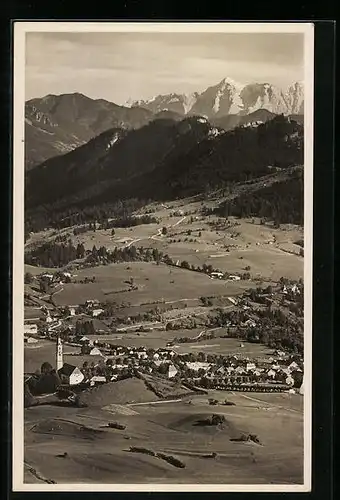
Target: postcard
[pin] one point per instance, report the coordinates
(162, 312)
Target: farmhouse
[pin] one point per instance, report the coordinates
(240, 370)
(91, 303)
(216, 275)
(97, 379)
(97, 312)
(70, 374)
(30, 340)
(233, 277)
(48, 318)
(293, 366)
(84, 340)
(197, 365)
(232, 300)
(47, 276)
(250, 322)
(172, 371)
(71, 310)
(95, 352)
(30, 329)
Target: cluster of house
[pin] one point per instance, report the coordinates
(243, 371)
(91, 307)
(279, 369)
(58, 278)
(219, 275)
(294, 289)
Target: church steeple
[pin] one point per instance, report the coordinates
(59, 354)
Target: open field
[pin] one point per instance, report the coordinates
(270, 252)
(70, 445)
(225, 346)
(101, 455)
(44, 350)
(155, 283)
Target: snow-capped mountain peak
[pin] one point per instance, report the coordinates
(229, 97)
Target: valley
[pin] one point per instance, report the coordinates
(164, 288)
(151, 307)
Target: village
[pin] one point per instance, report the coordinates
(101, 361)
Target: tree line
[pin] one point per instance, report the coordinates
(54, 255)
(42, 217)
(282, 202)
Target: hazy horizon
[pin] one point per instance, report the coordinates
(122, 66)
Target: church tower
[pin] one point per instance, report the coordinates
(59, 354)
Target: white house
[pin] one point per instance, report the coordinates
(216, 275)
(72, 311)
(95, 352)
(232, 300)
(250, 322)
(197, 365)
(271, 373)
(250, 366)
(289, 380)
(97, 312)
(30, 329)
(157, 362)
(47, 276)
(233, 277)
(30, 340)
(172, 371)
(280, 353)
(70, 374)
(295, 289)
(84, 340)
(97, 379)
(48, 318)
(92, 303)
(239, 370)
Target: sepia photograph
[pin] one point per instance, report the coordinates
(162, 235)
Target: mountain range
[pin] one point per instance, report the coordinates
(229, 97)
(58, 124)
(165, 159)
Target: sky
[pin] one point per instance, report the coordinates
(122, 66)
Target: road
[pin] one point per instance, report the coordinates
(155, 402)
(154, 236)
(268, 405)
(53, 327)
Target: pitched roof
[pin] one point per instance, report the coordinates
(67, 369)
(95, 351)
